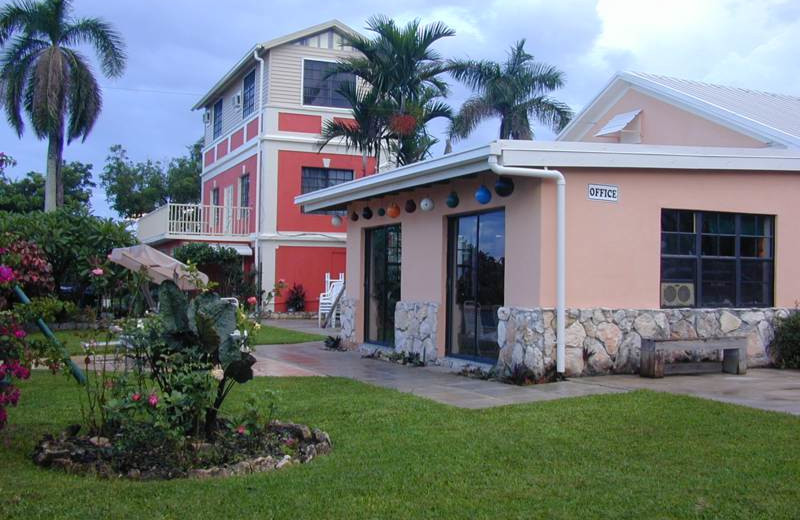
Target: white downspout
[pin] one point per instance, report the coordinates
(259, 173)
(561, 240)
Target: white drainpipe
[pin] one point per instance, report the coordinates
(259, 173)
(561, 188)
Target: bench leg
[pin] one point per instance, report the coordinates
(652, 360)
(734, 361)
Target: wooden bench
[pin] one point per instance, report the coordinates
(734, 358)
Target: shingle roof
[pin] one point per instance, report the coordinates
(773, 118)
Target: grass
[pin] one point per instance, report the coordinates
(635, 455)
(73, 339)
(268, 335)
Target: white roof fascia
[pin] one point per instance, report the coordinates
(618, 123)
(587, 110)
(263, 47)
(565, 154)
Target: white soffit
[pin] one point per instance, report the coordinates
(618, 122)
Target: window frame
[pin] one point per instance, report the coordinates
(216, 133)
(328, 184)
(699, 257)
(303, 85)
(252, 108)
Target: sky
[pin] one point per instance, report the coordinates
(178, 49)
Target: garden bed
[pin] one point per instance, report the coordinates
(233, 452)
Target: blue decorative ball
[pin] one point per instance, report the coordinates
(367, 213)
(381, 212)
(452, 200)
(504, 186)
(483, 195)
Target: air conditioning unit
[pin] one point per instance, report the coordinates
(207, 117)
(677, 294)
(237, 100)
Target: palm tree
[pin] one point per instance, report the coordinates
(43, 75)
(515, 91)
(415, 145)
(368, 129)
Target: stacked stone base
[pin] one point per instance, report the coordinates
(608, 341)
(415, 329)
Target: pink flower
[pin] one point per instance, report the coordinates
(241, 430)
(19, 333)
(98, 271)
(252, 300)
(6, 274)
(136, 397)
(153, 400)
(13, 396)
(290, 442)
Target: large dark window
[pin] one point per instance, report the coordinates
(249, 94)
(726, 259)
(318, 178)
(217, 114)
(320, 88)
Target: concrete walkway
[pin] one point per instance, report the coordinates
(777, 390)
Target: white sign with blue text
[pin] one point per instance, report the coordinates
(604, 192)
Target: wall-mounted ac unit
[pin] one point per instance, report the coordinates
(677, 294)
(237, 100)
(207, 117)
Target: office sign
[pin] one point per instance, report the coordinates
(605, 192)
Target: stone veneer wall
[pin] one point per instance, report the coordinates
(415, 329)
(604, 341)
(347, 315)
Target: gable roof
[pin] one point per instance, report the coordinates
(771, 118)
(247, 60)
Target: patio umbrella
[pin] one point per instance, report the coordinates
(159, 267)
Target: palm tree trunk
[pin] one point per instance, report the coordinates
(53, 185)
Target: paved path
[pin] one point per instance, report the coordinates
(767, 389)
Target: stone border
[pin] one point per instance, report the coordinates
(605, 341)
(415, 329)
(347, 315)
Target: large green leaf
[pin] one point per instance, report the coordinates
(241, 371)
(172, 305)
(214, 321)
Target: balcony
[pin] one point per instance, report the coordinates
(195, 222)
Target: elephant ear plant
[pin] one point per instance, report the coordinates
(189, 347)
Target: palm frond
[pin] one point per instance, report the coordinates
(549, 111)
(472, 112)
(476, 74)
(107, 43)
(14, 17)
(84, 97)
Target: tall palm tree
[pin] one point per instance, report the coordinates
(515, 91)
(415, 145)
(42, 74)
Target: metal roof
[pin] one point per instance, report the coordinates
(618, 122)
(771, 118)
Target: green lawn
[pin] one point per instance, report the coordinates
(637, 455)
(73, 339)
(268, 335)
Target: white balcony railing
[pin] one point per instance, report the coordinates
(176, 220)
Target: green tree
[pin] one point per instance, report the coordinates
(27, 194)
(399, 72)
(44, 76)
(515, 91)
(136, 188)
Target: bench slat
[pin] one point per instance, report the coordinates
(700, 344)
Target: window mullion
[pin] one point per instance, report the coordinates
(698, 235)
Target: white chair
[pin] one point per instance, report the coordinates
(327, 301)
(329, 280)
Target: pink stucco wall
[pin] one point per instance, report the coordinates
(613, 248)
(663, 123)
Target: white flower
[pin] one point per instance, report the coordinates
(217, 373)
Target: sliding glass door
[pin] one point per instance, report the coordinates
(382, 283)
(476, 274)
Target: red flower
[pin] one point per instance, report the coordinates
(136, 397)
(241, 430)
(252, 300)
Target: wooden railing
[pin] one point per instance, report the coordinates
(195, 220)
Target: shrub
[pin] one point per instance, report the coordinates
(786, 345)
(232, 279)
(296, 299)
(49, 308)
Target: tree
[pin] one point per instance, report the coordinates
(399, 73)
(136, 188)
(514, 91)
(42, 74)
(27, 194)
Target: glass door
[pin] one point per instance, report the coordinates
(382, 283)
(476, 275)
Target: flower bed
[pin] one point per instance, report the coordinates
(234, 451)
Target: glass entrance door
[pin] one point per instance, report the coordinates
(476, 274)
(382, 283)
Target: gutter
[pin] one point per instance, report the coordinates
(561, 188)
(259, 173)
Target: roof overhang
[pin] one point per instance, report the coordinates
(536, 154)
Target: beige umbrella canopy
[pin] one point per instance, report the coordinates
(158, 266)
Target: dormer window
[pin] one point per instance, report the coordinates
(249, 94)
(321, 89)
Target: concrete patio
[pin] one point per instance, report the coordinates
(767, 389)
